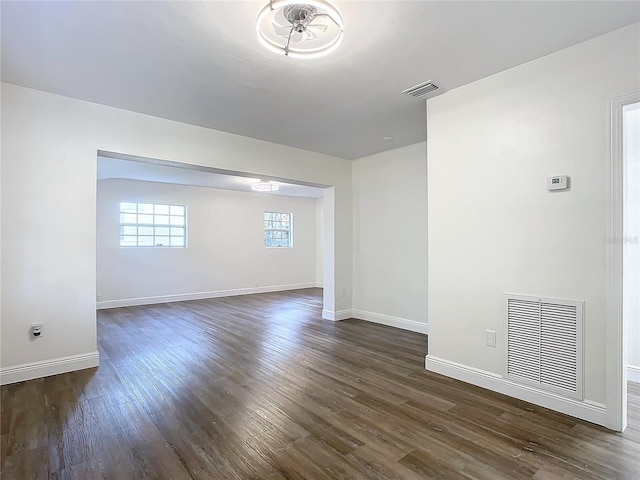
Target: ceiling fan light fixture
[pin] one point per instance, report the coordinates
(300, 28)
(264, 186)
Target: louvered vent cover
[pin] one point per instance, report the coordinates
(544, 343)
(422, 90)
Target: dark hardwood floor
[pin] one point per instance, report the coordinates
(260, 387)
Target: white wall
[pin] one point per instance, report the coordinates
(49, 146)
(390, 237)
(494, 228)
(319, 240)
(225, 253)
(631, 247)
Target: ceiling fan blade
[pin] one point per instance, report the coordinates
(281, 18)
(319, 26)
(283, 31)
(310, 35)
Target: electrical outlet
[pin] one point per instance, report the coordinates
(490, 338)
(36, 330)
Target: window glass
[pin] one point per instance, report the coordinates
(278, 230)
(148, 225)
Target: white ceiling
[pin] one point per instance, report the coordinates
(177, 174)
(201, 63)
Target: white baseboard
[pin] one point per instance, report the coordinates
(586, 410)
(633, 373)
(397, 322)
(337, 316)
(133, 302)
(46, 368)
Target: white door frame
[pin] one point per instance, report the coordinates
(616, 367)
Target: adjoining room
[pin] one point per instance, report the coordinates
(169, 232)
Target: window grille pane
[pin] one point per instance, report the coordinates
(128, 207)
(161, 209)
(126, 241)
(162, 241)
(177, 241)
(177, 231)
(177, 210)
(162, 231)
(128, 218)
(145, 208)
(177, 220)
(128, 230)
(145, 241)
(145, 219)
(145, 231)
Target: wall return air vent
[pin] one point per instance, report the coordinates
(422, 90)
(544, 343)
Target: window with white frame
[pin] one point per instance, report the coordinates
(278, 230)
(152, 225)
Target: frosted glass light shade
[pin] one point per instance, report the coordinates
(265, 186)
(300, 29)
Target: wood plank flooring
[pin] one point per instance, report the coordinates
(260, 387)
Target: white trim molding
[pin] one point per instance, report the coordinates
(337, 315)
(633, 373)
(584, 409)
(46, 368)
(390, 321)
(615, 368)
(133, 302)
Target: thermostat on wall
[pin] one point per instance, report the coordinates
(559, 182)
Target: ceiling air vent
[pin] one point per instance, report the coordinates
(422, 89)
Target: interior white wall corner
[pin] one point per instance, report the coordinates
(390, 235)
(319, 240)
(328, 243)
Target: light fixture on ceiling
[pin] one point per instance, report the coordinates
(300, 28)
(264, 186)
